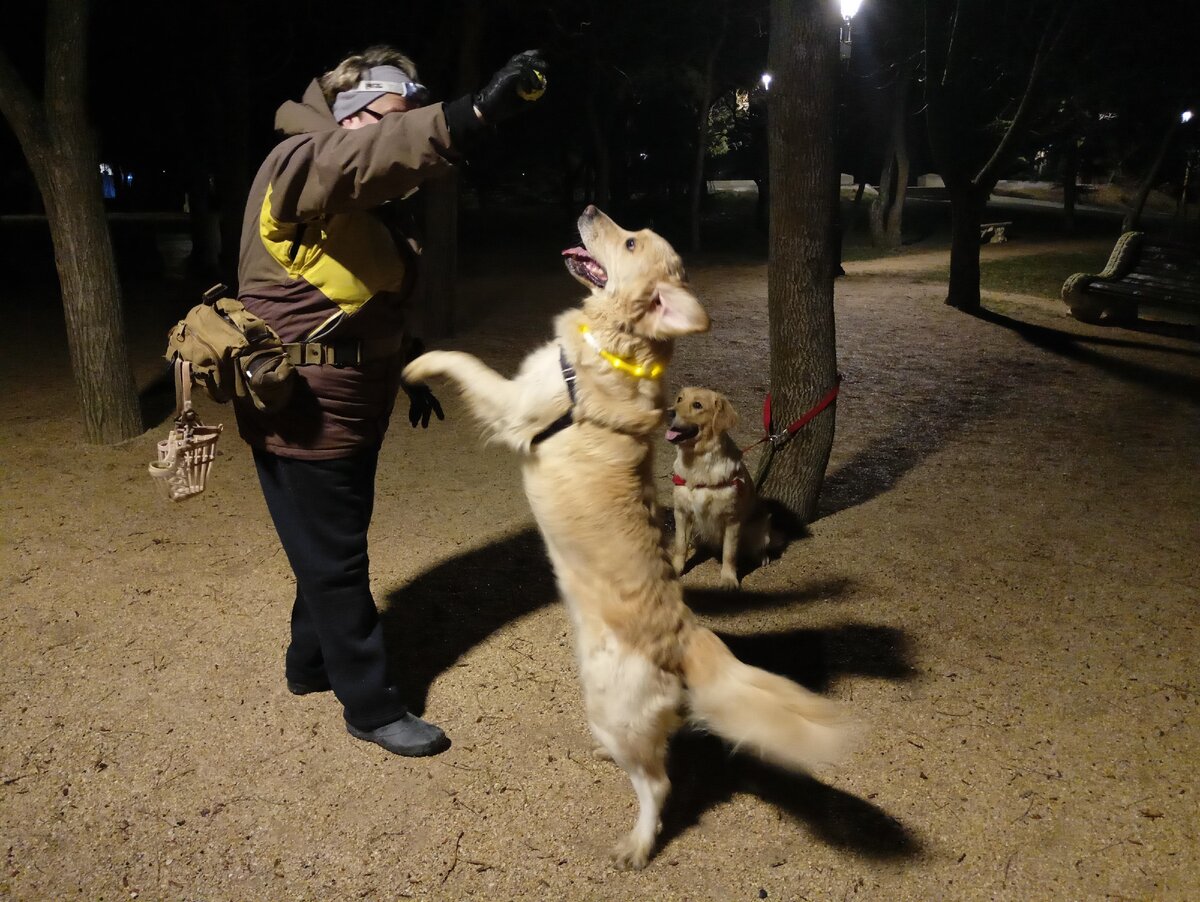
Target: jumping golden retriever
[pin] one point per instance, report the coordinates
(716, 505)
(583, 411)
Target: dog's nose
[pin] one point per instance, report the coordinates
(590, 210)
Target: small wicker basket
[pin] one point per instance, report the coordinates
(186, 455)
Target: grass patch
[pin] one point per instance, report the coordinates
(1038, 275)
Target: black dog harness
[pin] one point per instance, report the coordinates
(568, 374)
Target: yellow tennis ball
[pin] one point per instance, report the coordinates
(536, 92)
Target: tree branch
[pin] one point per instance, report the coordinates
(1046, 44)
(66, 57)
(951, 44)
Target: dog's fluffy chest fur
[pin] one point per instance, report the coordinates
(712, 496)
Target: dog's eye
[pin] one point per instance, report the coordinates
(696, 405)
(630, 244)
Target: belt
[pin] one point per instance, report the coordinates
(347, 352)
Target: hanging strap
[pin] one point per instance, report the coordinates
(781, 438)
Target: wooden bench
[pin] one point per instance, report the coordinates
(1140, 270)
(993, 232)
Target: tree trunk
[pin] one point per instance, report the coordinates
(966, 215)
(1133, 217)
(887, 211)
(66, 174)
(233, 145)
(1070, 183)
(61, 152)
(439, 263)
(801, 129)
(895, 215)
(706, 98)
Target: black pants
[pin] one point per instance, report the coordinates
(321, 510)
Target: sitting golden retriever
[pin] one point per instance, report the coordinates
(716, 505)
(584, 410)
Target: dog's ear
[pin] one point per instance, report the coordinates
(724, 416)
(675, 311)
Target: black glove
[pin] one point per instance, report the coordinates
(421, 404)
(516, 85)
(421, 401)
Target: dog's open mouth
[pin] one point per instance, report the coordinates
(685, 432)
(584, 266)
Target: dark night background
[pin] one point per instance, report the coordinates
(173, 88)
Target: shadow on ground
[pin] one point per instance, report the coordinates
(705, 773)
(1083, 349)
(930, 417)
(437, 618)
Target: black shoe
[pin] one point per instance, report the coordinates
(307, 687)
(409, 736)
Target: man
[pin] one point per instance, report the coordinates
(326, 262)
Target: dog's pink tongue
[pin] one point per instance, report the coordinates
(672, 434)
(579, 252)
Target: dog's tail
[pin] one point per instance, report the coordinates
(761, 712)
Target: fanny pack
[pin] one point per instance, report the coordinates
(235, 354)
(232, 352)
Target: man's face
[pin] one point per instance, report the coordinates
(376, 110)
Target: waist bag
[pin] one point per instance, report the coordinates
(232, 352)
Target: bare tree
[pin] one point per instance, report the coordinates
(887, 210)
(968, 102)
(1133, 215)
(803, 60)
(58, 143)
(707, 90)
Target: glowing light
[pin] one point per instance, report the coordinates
(1186, 117)
(640, 371)
(766, 81)
(850, 8)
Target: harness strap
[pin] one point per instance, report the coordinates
(568, 374)
(736, 481)
(348, 352)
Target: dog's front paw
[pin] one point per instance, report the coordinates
(678, 562)
(729, 580)
(631, 853)
(427, 365)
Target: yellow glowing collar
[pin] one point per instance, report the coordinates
(650, 371)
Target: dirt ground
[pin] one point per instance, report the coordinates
(1003, 584)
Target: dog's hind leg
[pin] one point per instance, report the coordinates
(651, 785)
(644, 760)
(635, 731)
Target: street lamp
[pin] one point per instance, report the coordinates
(1185, 117)
(849, 11)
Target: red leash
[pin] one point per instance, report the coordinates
(779, 438)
